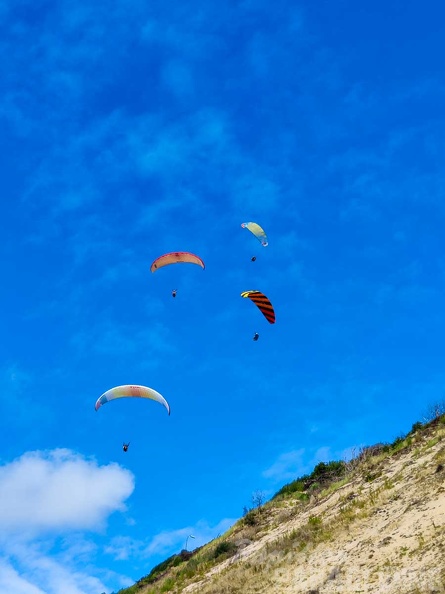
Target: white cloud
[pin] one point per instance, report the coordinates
(48, 498)
(59, 490)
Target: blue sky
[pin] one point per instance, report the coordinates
(134, 129)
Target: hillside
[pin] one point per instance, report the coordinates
(374, 524)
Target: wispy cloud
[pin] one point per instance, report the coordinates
(122, 342)
(33, 569)
(291, 465)
(11, 582)
(168, 541)
(40, 570)
(288, 466)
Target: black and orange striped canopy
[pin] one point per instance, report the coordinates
(263, 303)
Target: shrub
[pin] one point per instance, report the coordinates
(435, 412)
(190, 569)
(321, 476)
(226, 547)
(314, 522)
(296, 486)
(326, 473)
(374, 450)
(168, 585)
(416, 427)
(159, 570)
(251, 518)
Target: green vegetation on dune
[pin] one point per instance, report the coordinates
(322, 475)
(179, 570)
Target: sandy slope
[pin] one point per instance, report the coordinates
(386, 535)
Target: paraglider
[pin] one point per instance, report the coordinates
(125, 447)
(253, 258)
(131, 392)
(263, 304)
(176, 258)
(256, 336)
(174, 292)
(258, 231)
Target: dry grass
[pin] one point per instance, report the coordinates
(379, 530)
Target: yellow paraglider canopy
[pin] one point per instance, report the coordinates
(258, 231)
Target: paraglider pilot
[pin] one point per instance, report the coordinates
(125, 447)
(256, 336)
(174, 292)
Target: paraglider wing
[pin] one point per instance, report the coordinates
(263, 303)
(176, 258)
(258, 231)
(131, 391)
